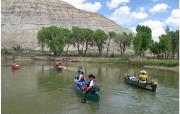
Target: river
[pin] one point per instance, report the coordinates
(36, 89)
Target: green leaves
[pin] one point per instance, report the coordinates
(100, 38)
(167, 46)
(169, 43)
(112, 34)
(124, 40)
(53, 37)
(56, 38)
(142, 40)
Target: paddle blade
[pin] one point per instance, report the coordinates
(83, 100)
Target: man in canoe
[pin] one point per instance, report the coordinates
(90, 85)
(15, 65)
(143, 77)
(81, 76)
(81, 79)
(56, 64)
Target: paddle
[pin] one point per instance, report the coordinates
(83, 100)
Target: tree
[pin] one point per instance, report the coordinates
(68, 39)
(127, 40)
(174, 36)
(89, 34)
(176, 48)
(124, 40)
(167, 29)
(165, 45)
(99, 38)
(41, 37)
(78, 35)
(142, 40)
(168, 44)
(110, 36)
(155, 48)
(53, 37)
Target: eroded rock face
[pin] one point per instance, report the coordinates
(21, 20)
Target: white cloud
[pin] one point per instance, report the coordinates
(124, 10)
(123, 15)
(115, 3)
(141, 9)
(159, 8)
(133, 29)
(84, 5)
(139, 15)
(157, 28)
(174, 19)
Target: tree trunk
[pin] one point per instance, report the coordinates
(82, 49)
(55, 53)
(108, 47)
(86, 48)
(67, 49)
(100, 50)
(78, 47)
(121, 50)
(42, 46)
(124, 47)
(173, 54)
(178, 55)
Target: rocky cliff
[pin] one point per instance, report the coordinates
(21, 20)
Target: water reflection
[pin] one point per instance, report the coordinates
(38, 89)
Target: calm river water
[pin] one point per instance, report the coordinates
(36, 89)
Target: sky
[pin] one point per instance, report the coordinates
(156, 14)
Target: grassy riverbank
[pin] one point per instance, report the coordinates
(170, 65)
(117, 60)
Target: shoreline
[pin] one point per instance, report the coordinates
(170, 65)
(173, 69)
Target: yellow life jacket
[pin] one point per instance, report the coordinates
(143, 77)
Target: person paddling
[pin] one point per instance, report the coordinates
(143, 77)
(14, 63)
(81, 75)
(91, 83)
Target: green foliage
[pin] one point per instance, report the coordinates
(88, 38)
(142, 40)
(78, 35)
(124, 40)
(68, 39)
(5, 51)
(111, 35)
(53, 37)
(167, 46)
(100, 38)
(17, 48)
(169, 43)
(174, 37)
(165, 43)
(167, 29)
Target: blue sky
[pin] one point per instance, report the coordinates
(156, 14)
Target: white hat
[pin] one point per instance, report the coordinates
(143, 71)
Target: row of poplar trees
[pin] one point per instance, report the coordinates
(57, 38)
